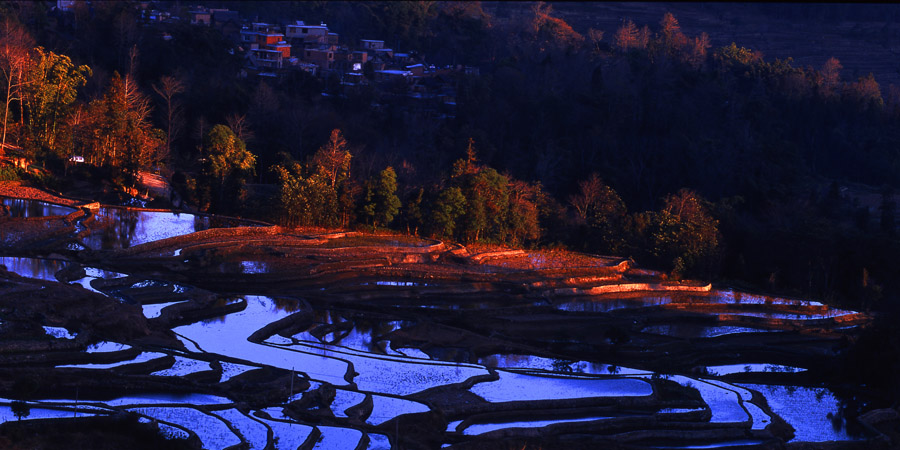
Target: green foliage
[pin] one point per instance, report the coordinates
(412, 213)
(685, 235)
(51, 89)
(227, 165)
(487, 199)
(381, 202)
(228, 155)
(447, 210)
(9, 173)
(306, 200)
(321, 192)
(496, 208)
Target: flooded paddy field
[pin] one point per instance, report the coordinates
(223, 335)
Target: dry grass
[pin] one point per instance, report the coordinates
(371, 240)
(15, 189)
(551, 259)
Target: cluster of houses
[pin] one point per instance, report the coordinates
(316, 49)
(272, 50)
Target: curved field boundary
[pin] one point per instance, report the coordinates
(274, 236)
(633, 287)
(15, 189)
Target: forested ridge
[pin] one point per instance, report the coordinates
(644, 141)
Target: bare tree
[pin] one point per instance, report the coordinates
(168, 88)
(239, 126)
(333, 158)
(201, 127)
(135, 101)
(15, 44)
(831, 76)
(628, 36)
(596, 198)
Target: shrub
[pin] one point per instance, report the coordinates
(9, 173)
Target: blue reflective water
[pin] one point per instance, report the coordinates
(32, 208)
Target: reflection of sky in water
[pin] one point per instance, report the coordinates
(386, 408)
(228, 336)
(397, 375)
(514, 386)
(593, 304)
(183, 366)
(106, 346)
(143, 357)
(789, 316)
(482, 428)
(289, 435)
(723, 401)
(610, 304)
(254, 267)
(752, 368)
(338, 438)
(363, 335)
(806, 409)
(58, 332)
(344, 399)
(379, 442)
(34, 208)
(254, 432)
(6, 414)
(516, 361)
(154, 310)
(230, 370)
(743, 298)
(123, 228)
(693, 330)
(44, 269)
(213, 433)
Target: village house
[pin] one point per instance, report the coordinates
(307, 34)
(266, 46)
(369, 44)
(201, 17)
(350, 61)
(263, 57)
(324, 58)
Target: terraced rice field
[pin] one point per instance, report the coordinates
(262, 338)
